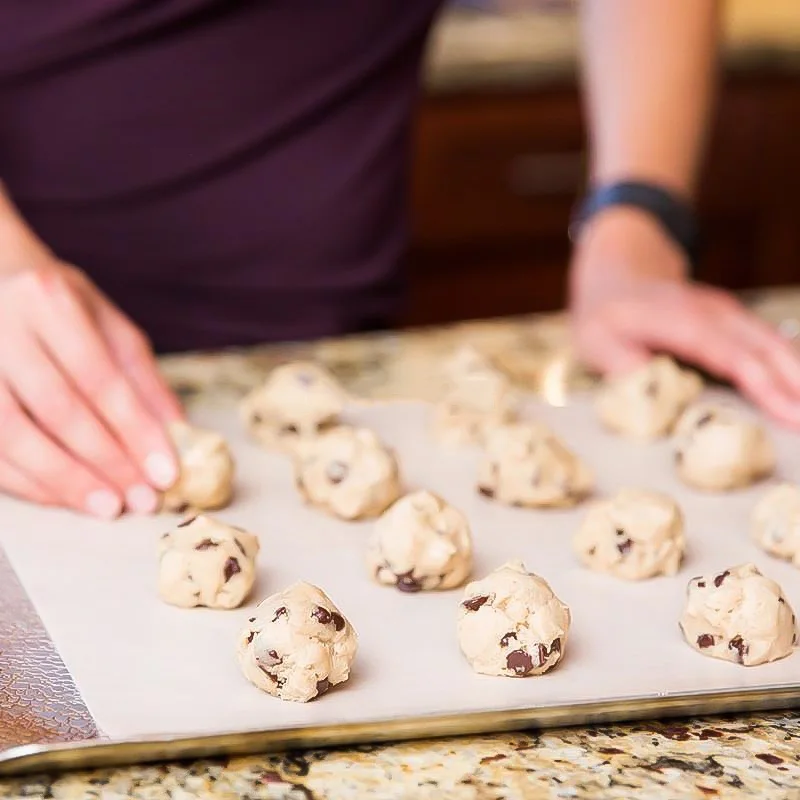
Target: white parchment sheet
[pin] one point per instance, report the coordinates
(145, 668)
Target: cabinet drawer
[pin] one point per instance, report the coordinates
(496, 166)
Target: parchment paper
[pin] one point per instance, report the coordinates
(145, 668)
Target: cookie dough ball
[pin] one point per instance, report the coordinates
(297, 401)
(477, 398)
(738, 615)
(510, 623)
(646, 403)
(634, 535)
(204, 562)
(298, 645)
(525, 464)
(775, 523)
(718, 449)
(206, 470)
(421, 543)
(348, 472)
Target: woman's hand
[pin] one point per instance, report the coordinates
(82, 405)
(630, 297)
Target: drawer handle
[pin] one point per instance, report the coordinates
(546, 174)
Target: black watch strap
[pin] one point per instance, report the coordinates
(674, 213)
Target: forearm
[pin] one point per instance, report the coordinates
(649, 79)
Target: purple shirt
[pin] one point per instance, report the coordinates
(229, 171)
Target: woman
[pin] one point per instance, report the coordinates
(202, 173)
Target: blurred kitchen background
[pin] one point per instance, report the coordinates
(500, 157)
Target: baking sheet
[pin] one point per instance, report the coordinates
(147, 670)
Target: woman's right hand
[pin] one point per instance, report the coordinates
(83, 408)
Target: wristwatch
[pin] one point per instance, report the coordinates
(673, 213)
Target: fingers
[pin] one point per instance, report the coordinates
(27, 451)
(132, 352)
(76, 344)
(20, 485)
(58, 408)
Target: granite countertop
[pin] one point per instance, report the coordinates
(736, 757)
(536, 42)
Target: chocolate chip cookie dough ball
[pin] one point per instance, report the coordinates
(775, 523)
(511, 623)
(298, 645)
(421, 543)
(646, 403)
(348, 472)
(206, 470)
(634, 535)
(718, 449)
(525, 464)
(738, 615)
(204, 562)
(478, 397)
(297, 401)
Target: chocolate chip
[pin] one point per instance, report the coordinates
(180, 509)
(231, 568)
(486, 491)
(252, 619)
(281, 612)
(256, 418)
(794, 638)
(250, 637)
(408, 583)
(323, 686)
(781, 600)
(541, 654)
(290, 429)
(555, 646)
(321, 615)
(620, 532)
(701, 584)
(165, 536)
(272, 676)
(272, 658)
(336, 471)
(519, 662)
(187, 521)
(651, 390)
(239, 545)
(591, 551)
(206, 544)
(738, 644)
(507, 638)
(705, 640)
(474, 603)
(338, 621)
(704, 420)
(720, 578)
(623, 547)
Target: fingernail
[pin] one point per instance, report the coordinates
(161, 469)
(141, 499)
(103, 504)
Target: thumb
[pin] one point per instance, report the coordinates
(611, 354)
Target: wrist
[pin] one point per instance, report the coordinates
(20, 247)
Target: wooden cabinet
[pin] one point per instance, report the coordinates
(496, 175)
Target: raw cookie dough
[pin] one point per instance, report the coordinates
(525, 464)
(206, 470)
(421, 543)
(297, 401)
(348, 472)
(510, 623)
(297, 645)
(738, 615)
(775, 522)
(478, 397)
(719, 449)
(204, 562)
(646, 403)
(634, 535)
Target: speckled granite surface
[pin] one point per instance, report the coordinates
(736, 757)
(537, 41)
